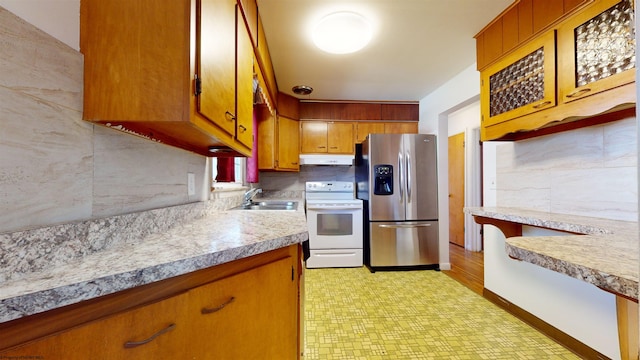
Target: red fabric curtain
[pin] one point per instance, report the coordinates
(226, 170)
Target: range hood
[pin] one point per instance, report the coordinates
(326, 159)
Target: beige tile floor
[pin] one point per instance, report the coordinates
(354, 314)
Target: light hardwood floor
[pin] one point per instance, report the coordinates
(467, 267)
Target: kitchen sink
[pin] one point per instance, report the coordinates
(269, 205)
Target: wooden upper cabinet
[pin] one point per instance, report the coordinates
(313, 137)
(340, 138)
(288, 149)
(521, 83)
(148, 71)
(244, 84)
(399, 112)
(517, 24)
(510, 29)
(493, 41)
(250, 13)
(401, 128)
(546, 12)
(321, 137)
(525, 20)
(598, 50)
(288, 106)
(264, 61)
(365, 128)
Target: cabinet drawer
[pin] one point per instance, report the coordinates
(154, 331)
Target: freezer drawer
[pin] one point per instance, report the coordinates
(408, 243)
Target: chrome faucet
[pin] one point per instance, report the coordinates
(249, 195)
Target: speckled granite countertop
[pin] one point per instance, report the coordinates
(216, 238)
(606, 255)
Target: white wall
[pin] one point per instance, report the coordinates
(462, 90)
(58, 18)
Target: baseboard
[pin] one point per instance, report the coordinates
(576, 346)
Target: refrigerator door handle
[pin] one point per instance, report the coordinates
(401, 176)
(408, 166)
(403, 226)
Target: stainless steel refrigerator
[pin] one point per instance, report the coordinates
(397, 180)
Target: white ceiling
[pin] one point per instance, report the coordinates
(418, 45)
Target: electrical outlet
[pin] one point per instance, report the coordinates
(191, 184)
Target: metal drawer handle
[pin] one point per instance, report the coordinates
(205, 311)
(542, 104)
(404, 226)
(132, 344)
(242, 128)
(578, 93)
(230, 116)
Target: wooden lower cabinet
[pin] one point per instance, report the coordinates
(120, 336)
(250, 311)
(251, 315)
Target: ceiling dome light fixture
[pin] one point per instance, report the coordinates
(342, 32)
(302, 89)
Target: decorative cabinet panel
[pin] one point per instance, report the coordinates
(598, 50)
(148, 71)
(521, 83)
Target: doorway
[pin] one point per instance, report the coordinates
(456, 189)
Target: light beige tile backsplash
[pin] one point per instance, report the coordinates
(55, 167)
(589, 171)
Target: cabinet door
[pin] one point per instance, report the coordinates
(340, 139)
(251, 315)
(597, 50)
(217, 62)
(288, 144)
(401, 128)
(365, 128)
(521, 83)
(266, 138)
(313, 137)
(244, 85)
(155, 331)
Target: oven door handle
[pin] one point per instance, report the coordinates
(403, 226)
(333, 208)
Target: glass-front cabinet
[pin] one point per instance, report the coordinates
(522, 83)
(598, 50)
